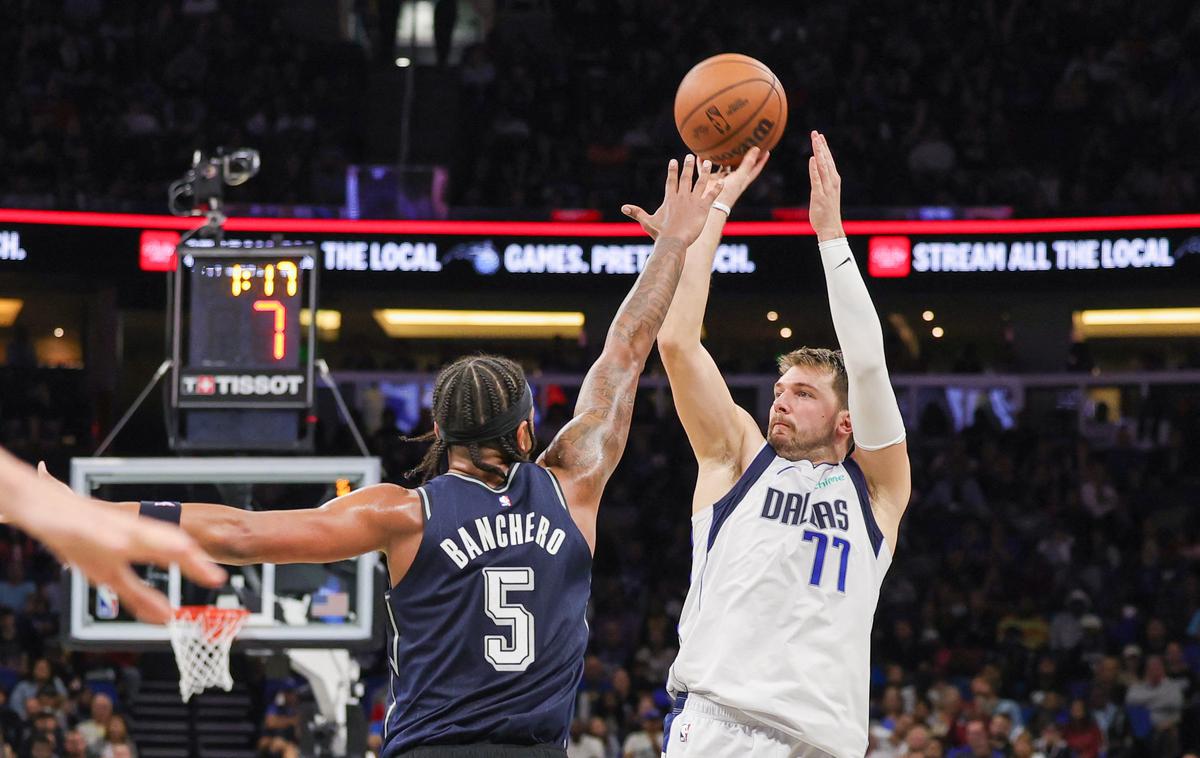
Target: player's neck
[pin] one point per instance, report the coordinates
(460, 463)
(816, 456)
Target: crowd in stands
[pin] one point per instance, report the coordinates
(1002, 102)
(1044, 598)
(1060, 108)
(105, 102)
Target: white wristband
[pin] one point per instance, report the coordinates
(722, 207)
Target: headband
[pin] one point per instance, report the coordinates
(493, 428)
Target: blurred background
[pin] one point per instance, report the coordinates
(1046, 593)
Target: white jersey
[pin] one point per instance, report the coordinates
(786, 570)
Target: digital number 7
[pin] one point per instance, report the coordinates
(280, 311)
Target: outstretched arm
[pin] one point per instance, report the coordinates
(586, 451)
(364, 521)
(879, 437)
(100, 543)
(722, 434)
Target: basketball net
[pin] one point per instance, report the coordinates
(201, 636)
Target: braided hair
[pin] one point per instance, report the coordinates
(469, 392)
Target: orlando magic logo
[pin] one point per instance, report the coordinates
(1190, 246)
(481, 254)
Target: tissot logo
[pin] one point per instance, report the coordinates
(273, 385)
(889, 257)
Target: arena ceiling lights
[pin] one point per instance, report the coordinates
(1138, 322)
(10, 307)
(468, 324)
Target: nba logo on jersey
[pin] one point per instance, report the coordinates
(108, 606)
(683, 731)
(505, 502)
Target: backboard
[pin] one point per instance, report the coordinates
(298, 605)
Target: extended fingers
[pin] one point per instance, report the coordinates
(814, 175)
(147, 604)
(162, 546)
(685, 179)
(714, 181)
(757, 168)
(672, 176)
(749, 161)
(828, 168)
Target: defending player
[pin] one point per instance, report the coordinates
(490, 562)
(792, 534)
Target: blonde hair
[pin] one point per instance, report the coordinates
(821, 358)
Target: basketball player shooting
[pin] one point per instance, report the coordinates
(792, 533)
(490, 562)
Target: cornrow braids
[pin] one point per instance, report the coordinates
(470, 392)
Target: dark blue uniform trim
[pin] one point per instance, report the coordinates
(449, 620)
(864, 499)
(723, 508)
(676, 709)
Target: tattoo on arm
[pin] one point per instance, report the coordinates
(592, 443)
(642, 314)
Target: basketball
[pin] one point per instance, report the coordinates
(726, 105)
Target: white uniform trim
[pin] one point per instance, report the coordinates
(498, 490)
(786, 572)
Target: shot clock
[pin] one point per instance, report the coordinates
(237, 313)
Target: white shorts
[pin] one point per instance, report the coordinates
(703, 729)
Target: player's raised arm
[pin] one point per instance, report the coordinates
(721, 433)
(586, 451)
(879, 437)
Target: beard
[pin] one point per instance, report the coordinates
(800, 445)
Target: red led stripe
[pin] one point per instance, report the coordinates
(602, 229)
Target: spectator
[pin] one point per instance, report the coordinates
(11, 648)
(1000, 730)
(1163, 698)
(1052, 744)
(583, 744)
(1082, 733)
(1177, 668)
(15, 589)
(1023, 746)
(41, 675)
(646, 742)
(95, 729)
(40, 746)
(117, 742)
(281, 725)
(75, 746)
(978, 744)
(918, 740)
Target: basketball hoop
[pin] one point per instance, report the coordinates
(201, 636)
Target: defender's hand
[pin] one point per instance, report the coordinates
(685, 205)
(736, 183)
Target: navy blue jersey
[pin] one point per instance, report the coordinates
(489, 622)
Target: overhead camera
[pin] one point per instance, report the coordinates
(201, 190)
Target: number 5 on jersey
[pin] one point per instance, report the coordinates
(497, 583)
